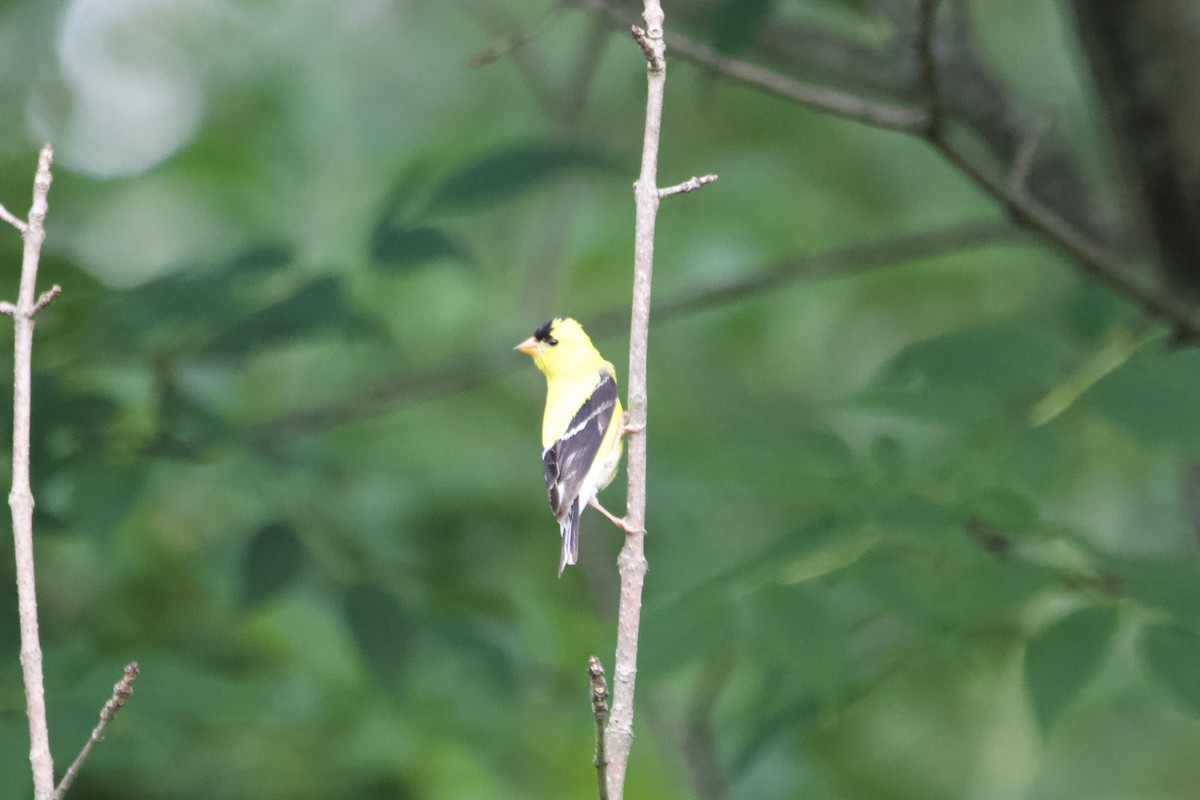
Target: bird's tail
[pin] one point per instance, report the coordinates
(569, 528)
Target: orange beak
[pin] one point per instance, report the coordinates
(529, 346)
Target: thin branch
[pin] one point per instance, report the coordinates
(1022, 166)
(121, 692)
(1093, 258)
(406, 388)
(600, 712)
(47, 297)
(699, 744)
(690, 185)
(12, 219)
(506, 44)
(631, 563)
(934, 113)
(20, 498)
(851, 260)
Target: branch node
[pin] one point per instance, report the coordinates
(649, 46)
(654, 20)
(689, 185)
(46, 298)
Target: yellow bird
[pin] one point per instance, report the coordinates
(581, 427)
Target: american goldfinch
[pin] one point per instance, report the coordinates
(581, 427)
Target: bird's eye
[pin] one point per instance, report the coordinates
(550, 340)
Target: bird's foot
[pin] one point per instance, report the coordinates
(620, 522)
(628, 428)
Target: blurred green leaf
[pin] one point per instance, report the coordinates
(316, 306)
(736, 23)
(97, 493)
(805, 634)
(1063, 658)
(1002, 510)
(502, 175)
(384, 630)
(887, 455)
(968, 375)
(676, 633)
(1171, 584)
(1154, 398)
(274, 558)
(398, 247)
(259, 260)
(1173, 653)
(187, 430)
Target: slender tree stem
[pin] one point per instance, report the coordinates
(20, 499)
(121, 692)
(632, 561)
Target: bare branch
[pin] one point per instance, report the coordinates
(632, 561)
(600, 712)
(926, 32)
(508, 43)
(1094, 259)
(8, 309)
(880, 115)
(121, 692)
(699, 744)
(1018, 178)
(20, 499)
(13, 219)
(690, 185)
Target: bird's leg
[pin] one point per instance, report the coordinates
(615, 520)
(627, 428)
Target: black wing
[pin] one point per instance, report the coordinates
(566, 462)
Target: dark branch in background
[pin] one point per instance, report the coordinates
(1143, 59)
(121, 692)
(699, 743)
(930, 80)
(407, 388)
(973, 97)
(1095, 258)
(563, 95)
(1098, 262)
(600, 712)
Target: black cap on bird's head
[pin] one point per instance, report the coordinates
(542, 334)
(543, 337)
(559, 344)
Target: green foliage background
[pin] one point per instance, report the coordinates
(285, 458)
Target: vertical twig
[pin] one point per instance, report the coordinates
(600, 712)
(20, 499)
(632, 561)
